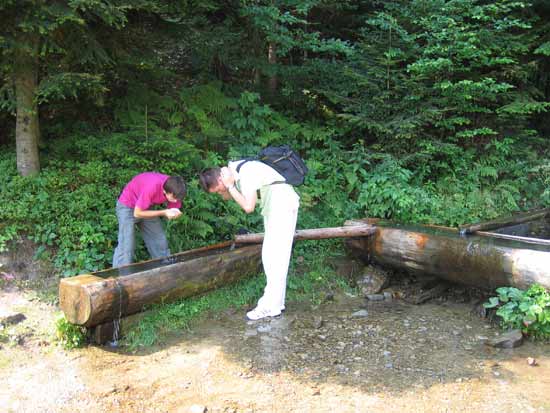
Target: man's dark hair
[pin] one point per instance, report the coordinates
(209, 178)
(175, 185)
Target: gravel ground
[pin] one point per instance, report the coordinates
(347, 355)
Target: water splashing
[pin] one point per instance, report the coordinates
(116, 321)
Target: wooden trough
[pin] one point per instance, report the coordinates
(482, 259)
(100, 297)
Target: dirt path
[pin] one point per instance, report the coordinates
(397, 358)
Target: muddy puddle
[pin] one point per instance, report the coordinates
(346, 355)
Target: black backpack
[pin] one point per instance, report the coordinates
(284, 160)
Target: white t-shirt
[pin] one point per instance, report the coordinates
(256, 175)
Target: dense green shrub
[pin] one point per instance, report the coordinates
(70, 205)
(526, 310)
(69, 335)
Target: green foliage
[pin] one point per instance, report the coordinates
(7, 233)
(70, 336)
(70, 205)
(542, 174)
(205, 107)
(438, 73)
(282, 22)
(65, 85)
(313, 279)
(65, 36)
(526, 310)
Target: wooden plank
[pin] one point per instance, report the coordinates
(317, 233)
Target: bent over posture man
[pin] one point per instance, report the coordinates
(141, 193)
(279, 205)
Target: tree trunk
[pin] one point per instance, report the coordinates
(27, 129)
(272, 60)
(317, 233)
(92, 299)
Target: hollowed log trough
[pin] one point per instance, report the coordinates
(92, 299)
(483, 259)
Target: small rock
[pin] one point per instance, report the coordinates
(250, 333)
(264, 328)
(12, 319)
(315, 391)
(531, 361)
(318, 322)
(372, 281)
(510, 339)
(388, 296)
(17, 339)
(360, 313)
(375, 297)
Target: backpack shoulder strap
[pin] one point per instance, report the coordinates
(239, 166)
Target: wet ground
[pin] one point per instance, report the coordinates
(347, 355)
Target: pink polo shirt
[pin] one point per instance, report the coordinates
(145, 190)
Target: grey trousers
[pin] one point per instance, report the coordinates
(151, 231)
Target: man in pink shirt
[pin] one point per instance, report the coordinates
(141, 193)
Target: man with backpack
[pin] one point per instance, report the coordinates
(241, 180)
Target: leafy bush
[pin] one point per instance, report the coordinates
(69, 335)
(526, 310)
(70, 206)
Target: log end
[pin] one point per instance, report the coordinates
(74, 300)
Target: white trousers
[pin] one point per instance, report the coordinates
(279, 227)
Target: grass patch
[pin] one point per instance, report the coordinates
(307, 282)
(163, 319)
